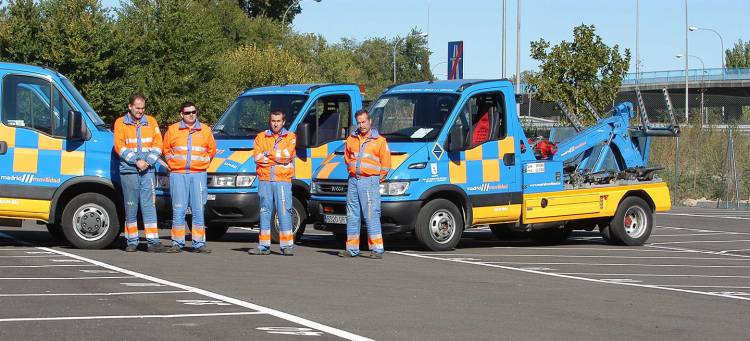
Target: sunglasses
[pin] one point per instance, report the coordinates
(194, 112)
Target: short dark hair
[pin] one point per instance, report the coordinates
(187, 104)
(276, 113)
(362, 112)
(136, 96)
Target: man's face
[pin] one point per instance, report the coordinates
(137, 108)
(189, 115)
(364, 123)
(276, 122)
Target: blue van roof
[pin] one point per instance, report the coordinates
(290, 88)
(27, 68)
(454, 85)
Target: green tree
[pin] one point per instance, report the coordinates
(20, 25)
(273, 9)
(739, 55)
(584, 69)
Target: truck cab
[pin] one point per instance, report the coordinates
(320, 114)
(460, 158)
(56, 161)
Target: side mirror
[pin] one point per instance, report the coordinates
(304, 136)
(76, 129)
(456, 139)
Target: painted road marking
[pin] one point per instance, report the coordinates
(621, 264)
(702, 241)
(101, 293)
(704, 216)
(708, 252)
(290, 331)
(97, 271)
(45, 266)
(66, 260)
(113, 317)
(61, 278)
(203, 302)
(651, 275)
(588, 256)
(143, 284)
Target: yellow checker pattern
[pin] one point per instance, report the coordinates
(72, 163)
(25, 160)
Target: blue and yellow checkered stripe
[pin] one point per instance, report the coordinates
(35, 153)
(480, 164)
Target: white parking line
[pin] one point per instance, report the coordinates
(101, 293)
(704, 216)
(700, 230)
(706, 286)
(650, 275)
(554, 248)
(585, 256)
(45, 266)
(724, 295)
(625, 264)
(708, 252)
(60, 278)
(693, 234)
(29, 256)
(113, 317)
(703, 241)
(282, 315)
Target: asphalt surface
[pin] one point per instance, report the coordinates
(690, 282)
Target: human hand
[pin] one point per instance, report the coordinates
(142, 165)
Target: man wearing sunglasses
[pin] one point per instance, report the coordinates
(189, 147)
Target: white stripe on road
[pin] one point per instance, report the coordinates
(694, 234)
(44, 266)
(584, 256)
(704, 216)
(706, 286)
(651, 275)
(114, 317)
(702, 241)
(269, 311)
(707, 252)
(624, 264)
(57, 278)
(700, 230)
(575, 277)
(101, 293)
(30, 256)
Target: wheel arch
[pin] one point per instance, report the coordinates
(453, 194)
(86, 184)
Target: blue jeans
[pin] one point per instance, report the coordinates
(138, 190)
(188, 189)
(363, 201)
(278, 194)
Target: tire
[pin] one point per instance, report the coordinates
(606, 234)
(503, 231)
(550, 236)
(633, 222)
(215, 232)
(90, 221)
(56, 231)
(439, 225)
(299, 219)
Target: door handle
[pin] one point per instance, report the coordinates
(3, 147)
(509, 159)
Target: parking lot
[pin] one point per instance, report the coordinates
(691, 281)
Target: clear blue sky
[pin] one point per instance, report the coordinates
(478, 24)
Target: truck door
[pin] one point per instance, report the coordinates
(329, 118)
(34, 156)
(486, 170)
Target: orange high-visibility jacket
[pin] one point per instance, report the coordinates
(367, 155)
(274, 155)
(189, 149)
(137, 140)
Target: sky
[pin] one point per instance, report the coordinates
(479, 23)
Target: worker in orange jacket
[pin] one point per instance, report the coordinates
(368, 160)
(138, 144)
(189, 147)
(274, 152)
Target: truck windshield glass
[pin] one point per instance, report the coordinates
(90, 112)
(412, 117)
(248, 115)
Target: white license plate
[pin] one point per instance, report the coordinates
(212, 197)
(334, 219)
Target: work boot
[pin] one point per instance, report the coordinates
(376, 255)
(259, 252)
(131, 248)
(174, 249)
(287, 251)
(156, 248)
(202, 249)
(346, 254)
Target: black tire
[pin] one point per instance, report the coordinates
(606, 234)
(504, 231)
(299, 220)
(215, 231)
(550, 235)
(633, 222)
(439, 225)
(56, 231)
(90, 221)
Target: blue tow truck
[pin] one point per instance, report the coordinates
(460, 158)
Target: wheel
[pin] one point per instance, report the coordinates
(633, 222)
(56, 231)
(606, 234)
(215, 231)
(439, 225)
(90, 221)
(299, 217)
(503, 231)
(550, 235)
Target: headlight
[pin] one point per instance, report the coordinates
(224, 181)
(314, 188)
(245, 180)
(162, 181)
(394, 188)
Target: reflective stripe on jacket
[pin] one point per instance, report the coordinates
(137, 140)
(189, 149)
(274, 155)
(367, 155)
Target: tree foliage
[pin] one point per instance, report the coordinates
(271, 8)
(584, 69)
(739, 55)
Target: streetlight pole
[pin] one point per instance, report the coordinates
(637, 41)
(394, 51)
(687, 114)
(721, 41)
(504, 40)
(518, 54)
(432, 69)
(703, 80)
(295, 3)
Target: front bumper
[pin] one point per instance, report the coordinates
(236, 209)
(395, 216)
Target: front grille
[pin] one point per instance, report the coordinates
(332, 188)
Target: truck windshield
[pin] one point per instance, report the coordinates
(248, 115)
(90, 112)
(412, 116)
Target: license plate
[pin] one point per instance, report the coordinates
(334, 219)
(212, 197)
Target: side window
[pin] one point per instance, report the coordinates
(330, 118)
(483, 118)
(26, 103)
